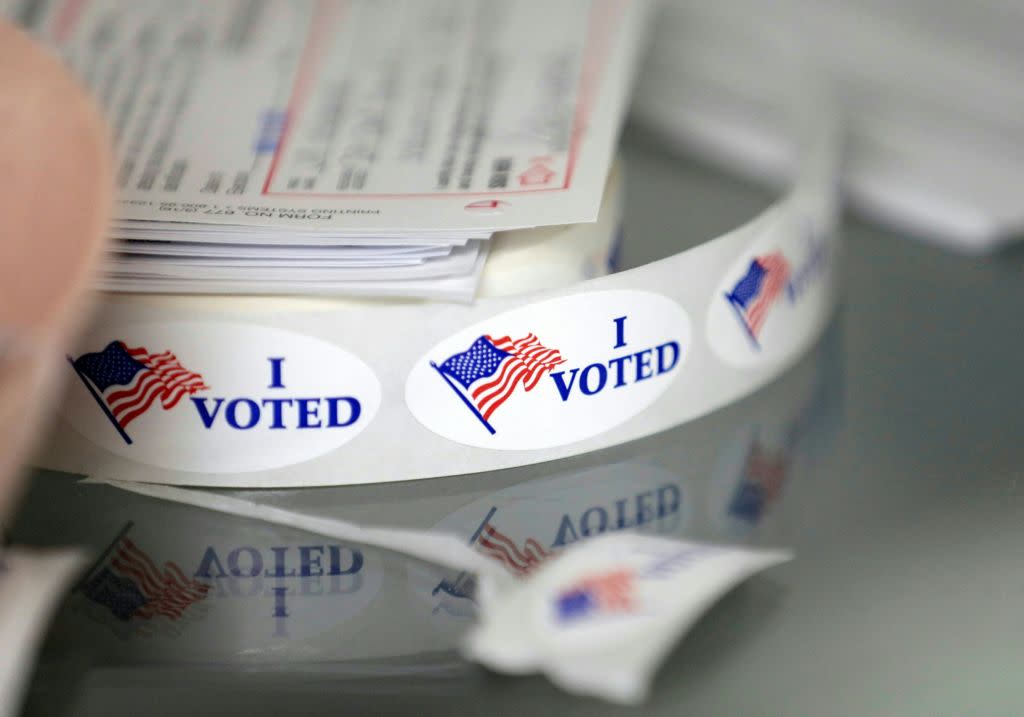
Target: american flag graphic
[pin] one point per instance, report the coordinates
(493, 543)
(764, 473)
(610, 592)
(521, 560)
(758, 290)
(487, 374)
(126, 382)
(130, 585)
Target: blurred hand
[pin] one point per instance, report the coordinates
(55, 197)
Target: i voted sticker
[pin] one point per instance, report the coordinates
(553, 372)
(768, 301)
(224, 398)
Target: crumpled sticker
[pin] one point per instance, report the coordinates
(599, 619)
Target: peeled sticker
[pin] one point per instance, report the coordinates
(597, 617)
(600, 619)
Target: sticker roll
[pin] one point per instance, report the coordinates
(257, 593)
(291, 393)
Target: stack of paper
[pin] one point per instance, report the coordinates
(349, 148)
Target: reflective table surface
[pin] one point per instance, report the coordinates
(888, 459)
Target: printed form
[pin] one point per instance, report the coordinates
(423, 125)
(372, 114)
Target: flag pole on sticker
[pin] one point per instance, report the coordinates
(126, 382)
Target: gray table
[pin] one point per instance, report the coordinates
(890, 460)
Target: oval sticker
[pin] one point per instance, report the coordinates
(553, 372)
(769, 300)
(217, 398)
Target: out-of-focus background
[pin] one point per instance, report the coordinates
(931, 95)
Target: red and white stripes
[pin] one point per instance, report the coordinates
(529, 362)
(166, 379)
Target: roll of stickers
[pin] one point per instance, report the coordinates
(259, 592)
(288, 393)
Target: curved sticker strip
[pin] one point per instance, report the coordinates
(346, 393)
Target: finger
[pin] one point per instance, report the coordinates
(55, 195)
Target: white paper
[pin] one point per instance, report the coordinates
(936, 159)
(362, 115)
(459, 262)
(382, 252)
(31, 583)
